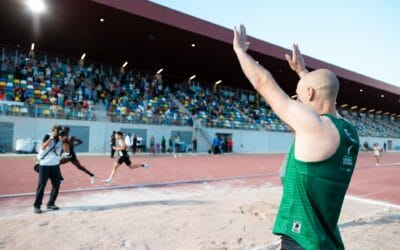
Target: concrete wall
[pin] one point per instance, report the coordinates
(248, 141)
(100, 132)
(245, 141)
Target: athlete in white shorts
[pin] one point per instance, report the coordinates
(377, 153)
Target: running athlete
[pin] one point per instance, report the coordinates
(377, 153)
(123, 157)
(112, 144)
(321, 160)
(73, 142)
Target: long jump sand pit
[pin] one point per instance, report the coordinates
(226, 215)
(225, 202)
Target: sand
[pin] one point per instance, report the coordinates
(219, 216)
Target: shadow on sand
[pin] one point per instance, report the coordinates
(386, 219)
(133, 204)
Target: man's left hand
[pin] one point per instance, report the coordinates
(240, 39)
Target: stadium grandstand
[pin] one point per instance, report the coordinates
(142, 68)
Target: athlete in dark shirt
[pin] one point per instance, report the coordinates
(72, 141)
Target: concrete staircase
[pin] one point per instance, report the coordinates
(180, 105)
(204, 140)
(101, 112)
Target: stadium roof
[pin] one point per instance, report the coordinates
(151, 37)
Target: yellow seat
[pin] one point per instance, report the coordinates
(123, 110)
(15, 109)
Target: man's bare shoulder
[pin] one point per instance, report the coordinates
(318, 144)
(328, 125)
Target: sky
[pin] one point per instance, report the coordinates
(360, 35)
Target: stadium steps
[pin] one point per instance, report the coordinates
(197, 127)
(101, 112)
(205, 136)
(182, 108)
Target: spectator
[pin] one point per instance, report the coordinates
(163, 144)
(134, 144)
(152, 146)
(171, 144)
(216, 144)
(140, 144)
(194, 145)
(177, 141)
(366, 146)
(128, 141)
(230, 144)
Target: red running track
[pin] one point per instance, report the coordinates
(18, 178)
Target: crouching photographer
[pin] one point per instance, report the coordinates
(49, 167)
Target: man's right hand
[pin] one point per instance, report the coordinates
(296, 61)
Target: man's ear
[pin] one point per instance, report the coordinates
(310, 94)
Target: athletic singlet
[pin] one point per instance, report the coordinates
(123, 152)
(71, 145)
(377, 151)
(313, 193)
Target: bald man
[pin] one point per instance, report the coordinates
(321, 161)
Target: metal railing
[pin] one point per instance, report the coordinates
(139, 118)
(46, 111)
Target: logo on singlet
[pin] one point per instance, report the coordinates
(347, 160)
(349, 149)
(296, 227)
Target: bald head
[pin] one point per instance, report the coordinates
(324, 82)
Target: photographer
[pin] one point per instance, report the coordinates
(49, 160)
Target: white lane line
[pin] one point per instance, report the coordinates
(157, 184)
(372, 202)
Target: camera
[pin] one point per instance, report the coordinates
(61, 133)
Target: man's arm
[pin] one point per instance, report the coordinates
(46, 141)
(296, 114)
(76, 141)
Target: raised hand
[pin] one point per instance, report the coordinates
(296, 61)
(240, 39)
